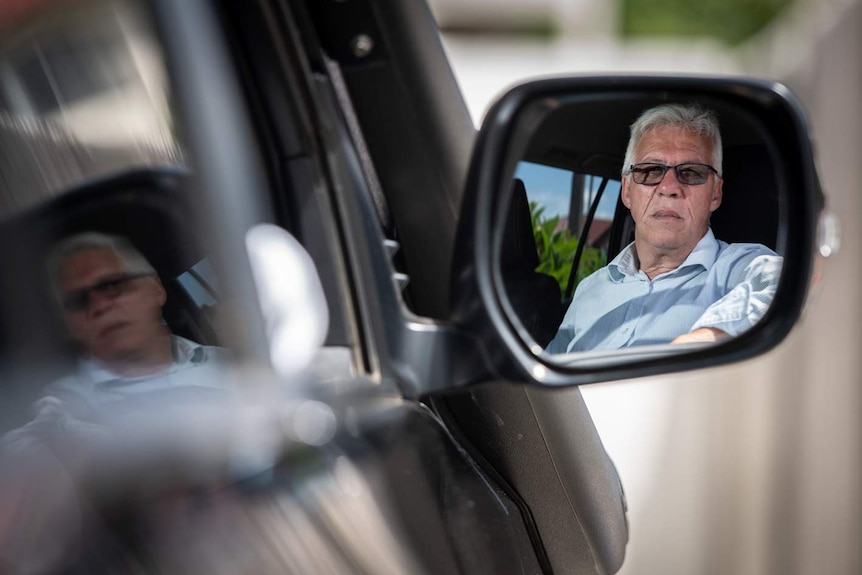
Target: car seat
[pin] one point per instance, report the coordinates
(749, 210)
(534, 296)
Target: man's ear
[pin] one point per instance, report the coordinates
(717, 194)
(160, 292)
(625, 194)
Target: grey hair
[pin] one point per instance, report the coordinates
(692, 118)
(128, 253)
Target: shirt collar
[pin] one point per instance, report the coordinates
(704, 254)
(625, 264)
(185, 352)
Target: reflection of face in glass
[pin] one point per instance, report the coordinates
(671, 217)
(114, 314)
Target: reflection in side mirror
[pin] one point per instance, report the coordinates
(622, 195)
(617, 250)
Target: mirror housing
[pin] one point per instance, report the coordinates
(480, 302)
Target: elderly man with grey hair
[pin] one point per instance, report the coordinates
(111, 299)
(676, 283)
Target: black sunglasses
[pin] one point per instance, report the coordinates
(112, 287)
(689, 173)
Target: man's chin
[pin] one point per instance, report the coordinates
(668, 226)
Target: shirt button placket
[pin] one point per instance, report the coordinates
(646, 290)
(633, 315)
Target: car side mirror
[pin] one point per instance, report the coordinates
(547, 205)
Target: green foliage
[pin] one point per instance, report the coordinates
(732, 21)
(557, 249)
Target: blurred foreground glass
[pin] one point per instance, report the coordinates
(83, 93)
(126, 424)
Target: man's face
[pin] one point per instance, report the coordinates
(120, 319)
(670, 216)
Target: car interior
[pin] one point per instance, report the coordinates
(590, 137)
(536, 296)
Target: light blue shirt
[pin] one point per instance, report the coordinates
(719, 285)
(76, 405)
(94, 387)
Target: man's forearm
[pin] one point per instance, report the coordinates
(702, 335)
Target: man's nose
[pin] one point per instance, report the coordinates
(670, 185)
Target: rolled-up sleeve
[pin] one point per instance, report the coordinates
(748, 300)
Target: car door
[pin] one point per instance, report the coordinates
(550, 462)
(404, 187)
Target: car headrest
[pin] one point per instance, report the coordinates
(749, 209)
(519, 244)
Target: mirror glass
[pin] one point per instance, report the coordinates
(612, 255)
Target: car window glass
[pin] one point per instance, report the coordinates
(560, 201)
(130, 353)
(90, 145)
(83, 94)
(200, 283)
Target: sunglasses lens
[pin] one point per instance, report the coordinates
(649, 174)
(687, 174)
(692, 174)
(77, 301)
(111, 288)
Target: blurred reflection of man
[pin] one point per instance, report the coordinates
(676, 283)
(111, 299)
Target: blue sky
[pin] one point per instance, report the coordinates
(551, 187)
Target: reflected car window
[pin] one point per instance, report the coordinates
(82, 95)
(560, 201)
